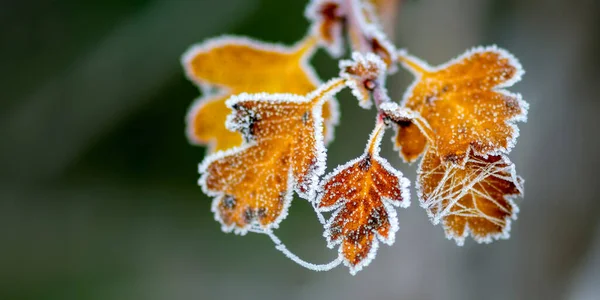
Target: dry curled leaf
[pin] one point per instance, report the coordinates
(464, 105)
(236, 65)
(359, 19)
(365, 75)
(253, 184)
(362, 193)
(475, 199)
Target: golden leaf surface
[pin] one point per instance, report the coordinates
(253, 184)
(240, 65)
(362, 193)
(476, 199)
(464, 105)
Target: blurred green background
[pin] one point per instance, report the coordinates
(98, 195)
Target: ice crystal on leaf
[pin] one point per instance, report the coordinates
(365, 75)
(362, 193)
(475, 199)
(241, 65)
(359, 19)
(464, 104)
(283, 152)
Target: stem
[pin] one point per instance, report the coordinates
(380, 96)
(412, 63)
(329, 88)
(289, 254)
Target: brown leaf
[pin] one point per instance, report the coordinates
(362, 193)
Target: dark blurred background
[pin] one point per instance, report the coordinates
(98, 183)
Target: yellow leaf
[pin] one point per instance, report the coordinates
(240, 65)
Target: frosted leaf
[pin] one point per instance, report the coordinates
(365, 75)
(476, 199)
(360, 21)
(283, 151)
(362, 195)
(232, 65)
(464, 104)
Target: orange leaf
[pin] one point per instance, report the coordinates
(464, 105)
(475, 199)
(359, 18)
(363, 193)
(236, 65)
(284, 151)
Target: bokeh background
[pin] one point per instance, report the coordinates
(98, 195)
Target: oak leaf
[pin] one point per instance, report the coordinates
(362, 193)
(464, 104)
(476, 199)
(236, 65)
(283, 152)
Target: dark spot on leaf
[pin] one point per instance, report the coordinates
(454, 158)
(249, 215)
(365, 164)
(305, 117)
(329, 11)
(403, 123)
(429, 98)
(261, 213)
(281, 198)
(229, 202)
